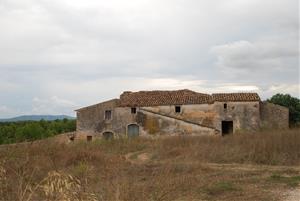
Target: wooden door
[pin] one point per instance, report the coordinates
(133, 130)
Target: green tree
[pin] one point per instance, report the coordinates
(290, 102)
(11, 132)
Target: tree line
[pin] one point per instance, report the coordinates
(13, 132)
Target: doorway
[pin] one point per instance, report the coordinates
(133, 130)
(227, 127)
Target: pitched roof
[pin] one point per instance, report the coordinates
(156, 98)
(178, 97)
(114, 102)
(235, 97)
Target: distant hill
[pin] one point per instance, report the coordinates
(36, 118)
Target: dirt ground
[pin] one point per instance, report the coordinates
(280, 192)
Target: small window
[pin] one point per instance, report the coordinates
(108, 115)
(89, 138)
(225, 106)
(133, 110)
(177, 109)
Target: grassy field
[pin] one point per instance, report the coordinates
(251, 166)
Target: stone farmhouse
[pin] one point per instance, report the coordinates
(179, 112)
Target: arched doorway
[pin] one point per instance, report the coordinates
(133, 130)
(108, 135)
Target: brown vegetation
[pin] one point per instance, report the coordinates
(239, 167)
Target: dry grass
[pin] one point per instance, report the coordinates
(269, 147)
(177, 168)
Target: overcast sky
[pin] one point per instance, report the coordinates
(59, 55)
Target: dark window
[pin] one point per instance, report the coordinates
(133, 110)
(225, 105)
(89, 138)
(108, 115)
(177, 109)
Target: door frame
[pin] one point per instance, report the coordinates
(132, 124)
(108, 131)
(229, 122)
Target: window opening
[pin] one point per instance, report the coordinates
(133, 110)
(177, 109)
(108, 115)
(89, 138)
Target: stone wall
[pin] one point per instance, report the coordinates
(200, 119)
(245, 115)
(155, 124)
(274, 116)
(92, 117)
(199, 113)
(91, 120)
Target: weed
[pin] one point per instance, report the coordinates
(220, 188)
(291, 181)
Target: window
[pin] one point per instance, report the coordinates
(133, 110)
(225, 106)
(107, 114)
(177, 109)
(89, 138)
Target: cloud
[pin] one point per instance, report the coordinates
(4, 108)
(9, 112)
(52, 105)
(82, 52)
(259, 55)
(285, 89)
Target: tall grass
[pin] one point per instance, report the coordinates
(100, 171)
(277, 147)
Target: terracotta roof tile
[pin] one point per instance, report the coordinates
(235, 97)
(155, 98)
(178, 97)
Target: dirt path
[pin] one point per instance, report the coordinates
(249, 167)
(137, 157)
(292, 195)
(144, 157)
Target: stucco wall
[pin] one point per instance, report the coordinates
(274, 116)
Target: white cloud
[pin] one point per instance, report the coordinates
(52, 105)
(9, 112)
(293, 89)
(259, 55)
(4, 108)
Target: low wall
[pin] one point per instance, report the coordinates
(274, 116)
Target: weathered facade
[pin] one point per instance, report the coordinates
(181, 112)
